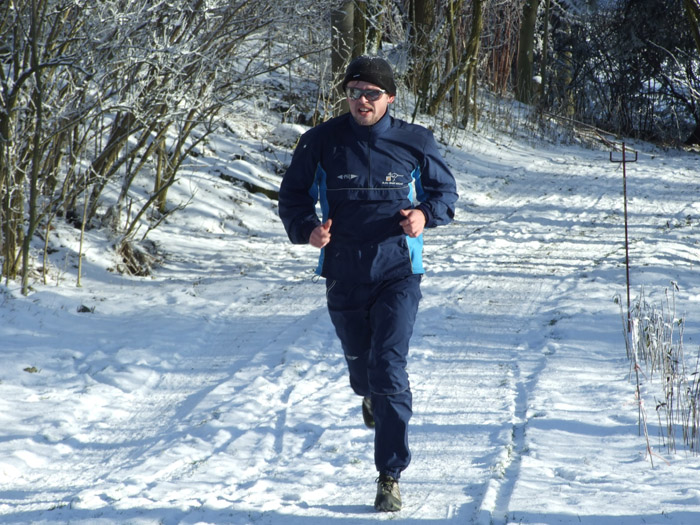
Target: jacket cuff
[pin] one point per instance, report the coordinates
(307, 229)
(428, 216)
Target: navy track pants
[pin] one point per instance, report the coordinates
(374, 323)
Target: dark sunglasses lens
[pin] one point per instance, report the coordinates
(370, 94)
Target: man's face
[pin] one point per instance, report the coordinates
(367, 112)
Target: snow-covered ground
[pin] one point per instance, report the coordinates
(215, 391)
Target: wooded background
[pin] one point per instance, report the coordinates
(93, 94)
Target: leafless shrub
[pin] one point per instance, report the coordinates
(655, 348)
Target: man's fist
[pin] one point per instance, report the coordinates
(413, 223)
(321, 235)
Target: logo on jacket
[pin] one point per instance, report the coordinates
(392, 179)
(347, 176)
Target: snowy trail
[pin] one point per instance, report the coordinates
(216, 392)
(509, 302)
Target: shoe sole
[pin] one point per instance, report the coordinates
(386, 506)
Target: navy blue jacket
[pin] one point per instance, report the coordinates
(362, 176)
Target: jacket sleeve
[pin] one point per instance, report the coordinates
(436, 189)
(299, 193)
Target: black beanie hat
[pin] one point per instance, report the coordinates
(374, 70)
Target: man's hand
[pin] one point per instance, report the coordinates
(414, 222)
(321, 235)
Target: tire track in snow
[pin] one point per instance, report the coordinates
(506, 307)
(470, 335)
(539, 275)
(565, 257)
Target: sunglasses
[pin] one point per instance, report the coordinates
(370, 94)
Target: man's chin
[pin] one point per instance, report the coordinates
(365, 119)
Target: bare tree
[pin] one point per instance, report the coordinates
(465, 64)
(38, 103)
(499, 44)
(343, 37)
(34, 49)
(423, 16)
(692, 10)
(93, 94)
(528, 27)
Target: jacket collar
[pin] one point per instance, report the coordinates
(367, 132)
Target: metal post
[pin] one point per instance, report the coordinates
(624, 162)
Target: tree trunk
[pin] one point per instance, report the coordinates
(376, 10)
(422, 20)
(692, 10)
(472, 57)
(545, 52)
(523, 89)
(467, 62)
(37, 99)
(5, 248)
(342, 28)
(359, 33)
